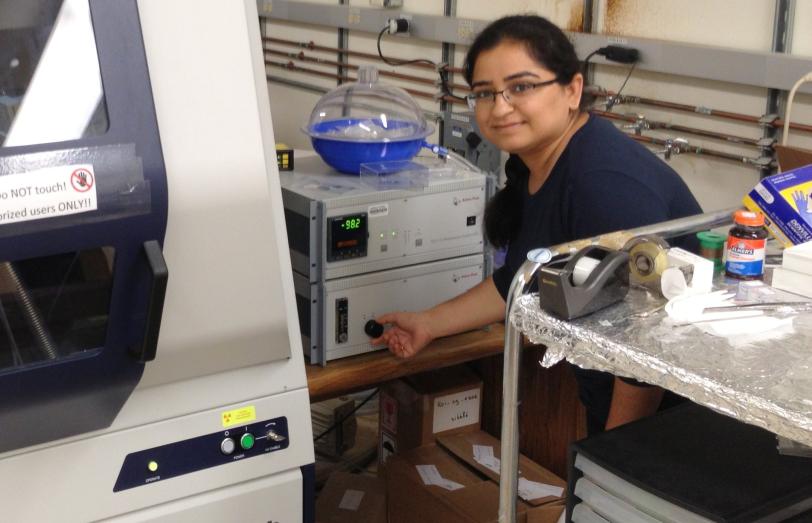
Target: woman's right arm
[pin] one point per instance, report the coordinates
(410, 332)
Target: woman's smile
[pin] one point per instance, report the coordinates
(507, 126)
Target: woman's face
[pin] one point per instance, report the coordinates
(536, 115)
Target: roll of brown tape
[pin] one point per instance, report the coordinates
(647, 261)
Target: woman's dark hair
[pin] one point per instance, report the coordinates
(545, 42)
(503, 213)
(551, 48)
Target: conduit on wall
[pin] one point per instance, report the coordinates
(670, 146)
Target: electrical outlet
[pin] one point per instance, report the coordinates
(386, 3)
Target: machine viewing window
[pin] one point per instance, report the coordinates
(54, 306)
(50, 83)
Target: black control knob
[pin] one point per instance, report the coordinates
(373, 329)
(473, 140)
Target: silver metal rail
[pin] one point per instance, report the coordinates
(509, 466)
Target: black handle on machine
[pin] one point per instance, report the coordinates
(155, 305)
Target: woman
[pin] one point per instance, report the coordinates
(570, 176)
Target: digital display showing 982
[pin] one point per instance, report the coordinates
(347, 237)
(351, 224)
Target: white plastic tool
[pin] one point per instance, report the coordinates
(687, 273)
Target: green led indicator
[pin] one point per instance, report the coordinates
(247, 441)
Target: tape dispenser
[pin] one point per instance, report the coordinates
(574, 285)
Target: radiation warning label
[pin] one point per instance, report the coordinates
(47, 193)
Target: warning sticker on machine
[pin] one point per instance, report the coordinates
(46, 193)
(239, 416)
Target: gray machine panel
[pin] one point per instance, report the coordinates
(440, 220)
(339, 309)
(461, 135)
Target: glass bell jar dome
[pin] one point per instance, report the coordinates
(366, 121)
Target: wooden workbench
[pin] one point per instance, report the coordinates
(552, 416)
(369, 370)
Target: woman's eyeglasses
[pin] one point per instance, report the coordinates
(512, 94)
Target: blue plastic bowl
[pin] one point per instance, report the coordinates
(346, 155)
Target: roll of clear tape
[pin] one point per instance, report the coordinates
(583, 268)
(647, 261)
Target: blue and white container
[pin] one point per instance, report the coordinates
(365, 122)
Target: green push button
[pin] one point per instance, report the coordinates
(152, 466)
(247, 441)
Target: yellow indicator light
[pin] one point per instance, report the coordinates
(153, 466)
(239, 416)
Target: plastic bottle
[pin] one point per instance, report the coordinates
(746, 244)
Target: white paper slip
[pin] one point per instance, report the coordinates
(431, 476)
(449, 485)
(533, 490)
(351, 499)
(483, 454)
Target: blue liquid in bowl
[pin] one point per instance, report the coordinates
(346, 154)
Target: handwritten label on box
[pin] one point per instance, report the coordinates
(456, 410)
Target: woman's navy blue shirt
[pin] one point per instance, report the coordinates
(604, 181)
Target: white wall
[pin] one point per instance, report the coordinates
(742, 24)
(290, 107)
(802, 34)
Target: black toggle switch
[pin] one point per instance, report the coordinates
(373, 329)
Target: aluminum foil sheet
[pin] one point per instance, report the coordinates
(764, 382)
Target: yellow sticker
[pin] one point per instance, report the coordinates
(239, 416)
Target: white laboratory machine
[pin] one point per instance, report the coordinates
(151, 367)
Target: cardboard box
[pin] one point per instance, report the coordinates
(468, 498)
(338, 413)
(786, 201)
(798, 258)
(462, 446)
(411, 500)
(792, 281)
(349, 498)
(552, 513)
(415, 409)
(792, 157)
